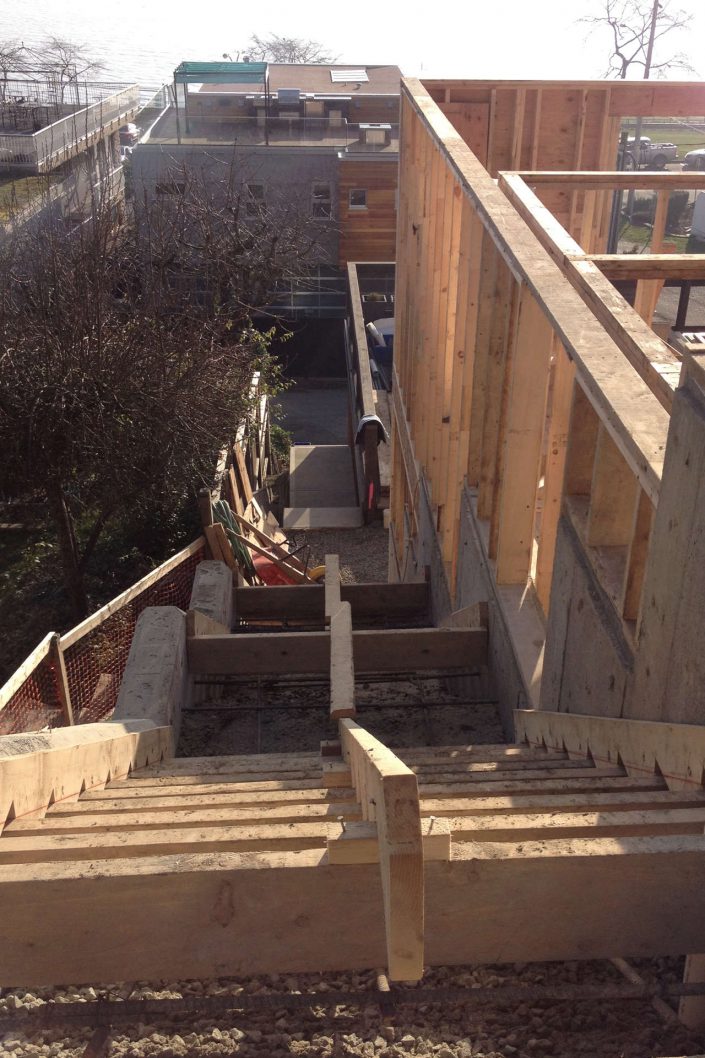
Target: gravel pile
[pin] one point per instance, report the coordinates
(608, 1029)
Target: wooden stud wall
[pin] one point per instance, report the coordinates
(561, 125)
(517, 364)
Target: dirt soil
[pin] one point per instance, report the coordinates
(426, 712)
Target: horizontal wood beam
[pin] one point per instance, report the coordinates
(306, 601)
(614, 181)
(275, 913)
(651, 265)
(653, 360)
(383, 650)
(674, 751)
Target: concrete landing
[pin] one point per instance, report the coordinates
(322, 518)
(321, 476)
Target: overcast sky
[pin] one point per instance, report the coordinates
(144, 39)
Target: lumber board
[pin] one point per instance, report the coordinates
(342, 671)
(383, 650)
(676, 752)
(173, 817)
(358, 842)
(613, 496)
(630, 896)
(650, 265)
(25, 670)
(306, 601)
(242, 762)
(626, 180)
(388, 793)
(36, 770)
(332, 586)
(175, 799)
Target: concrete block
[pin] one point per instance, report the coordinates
(156, 683)
(212, 592)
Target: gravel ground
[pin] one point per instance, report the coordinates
(615, 1029)
(610, 1029)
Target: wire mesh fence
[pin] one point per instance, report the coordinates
(94, 654)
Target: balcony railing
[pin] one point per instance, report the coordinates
(277, 131)
(48, 147)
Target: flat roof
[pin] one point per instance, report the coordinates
(316, 79)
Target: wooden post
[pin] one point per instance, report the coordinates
(62, 683)
(523, 433)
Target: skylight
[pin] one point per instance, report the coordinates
(341, 76)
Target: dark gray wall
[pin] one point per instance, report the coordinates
(288, 175)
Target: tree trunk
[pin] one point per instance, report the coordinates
(73, 580)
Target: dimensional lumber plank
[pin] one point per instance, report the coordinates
(156, 813)
(383, 650)
(613, 496)
(676, 752)
(556, 803)
(207, 786)
(358, 842)
(236, 762)
(171, 817)
(50, 847)
(637, 557)
(650, 265)
(388, 795)
(237, 777)
(199, 624)
(549, 825)
(523, 432)
(634, 896)
(25, 670)
(558, 430)
(528, 786)
(342, 671)
(306, 601)
(332, 586)
(669, 666)
(38, 769)
(175, 799)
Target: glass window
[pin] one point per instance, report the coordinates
(357, 198)
(321, 201)
(254, 199)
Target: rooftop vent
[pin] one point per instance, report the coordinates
(342, 76)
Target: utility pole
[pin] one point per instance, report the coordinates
(647, 71)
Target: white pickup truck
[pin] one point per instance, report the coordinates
(651, 155)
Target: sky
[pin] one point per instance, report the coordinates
(144, 39)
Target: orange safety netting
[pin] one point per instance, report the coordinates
(95, 663)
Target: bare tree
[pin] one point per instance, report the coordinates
(287, 49)
(126, 354)
(635, 28)
(65, 63)
(13, 60)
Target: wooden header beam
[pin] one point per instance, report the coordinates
(626, 180)
(651, 265)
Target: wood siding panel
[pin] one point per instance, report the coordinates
(368, 234)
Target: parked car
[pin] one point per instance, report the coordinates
(651, 155)
(129, 135)
(695, 159)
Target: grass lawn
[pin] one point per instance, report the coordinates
(640, 236)
(16, 192)
(685, 137)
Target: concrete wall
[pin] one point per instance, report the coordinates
(588, 661)
(288, 177)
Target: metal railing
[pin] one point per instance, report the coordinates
(47, 147)
(279, 130)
